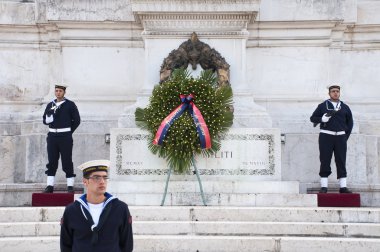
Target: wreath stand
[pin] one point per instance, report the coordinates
(199, 181)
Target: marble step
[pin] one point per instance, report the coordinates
(210, 213)
(252, 244)
(209, 186)
(206, 228)
(25, 229)
(168, 243)
(221, 199)
(244, 228)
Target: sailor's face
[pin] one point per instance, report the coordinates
(59, 93)
(334, 94)
(96, 183)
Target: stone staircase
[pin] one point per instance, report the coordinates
(211, 228)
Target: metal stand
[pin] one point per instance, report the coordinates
(199, 181)
(166, 186)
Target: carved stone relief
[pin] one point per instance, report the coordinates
(195, 52)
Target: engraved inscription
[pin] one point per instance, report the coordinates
(243, 154)
(223, 154)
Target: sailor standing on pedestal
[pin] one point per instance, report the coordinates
(63, 118)
(336, 124)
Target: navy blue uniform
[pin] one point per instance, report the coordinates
(66, 116)
(340, 122)
(113, 232)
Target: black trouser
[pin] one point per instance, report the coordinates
(60, 144)
(329, 144)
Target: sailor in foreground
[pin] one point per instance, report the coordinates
(336, 122)
(63, 118)
(97, 221)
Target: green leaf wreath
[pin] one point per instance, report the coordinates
(182, 140)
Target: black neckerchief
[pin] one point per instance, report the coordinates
(103, 217)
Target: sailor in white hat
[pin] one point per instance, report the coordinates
(336, 123)
(97, 221)
(62, 117)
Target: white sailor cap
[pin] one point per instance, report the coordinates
(61, 86)
(329, 87)
(93, 166)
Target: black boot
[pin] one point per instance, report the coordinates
(49, 189)
(323, 190)
(70, 189)
(344, 190)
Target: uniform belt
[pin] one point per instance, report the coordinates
(59, 130)
(335, 133)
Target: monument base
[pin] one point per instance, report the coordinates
(245, 172)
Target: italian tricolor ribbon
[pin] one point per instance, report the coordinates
(186, 104)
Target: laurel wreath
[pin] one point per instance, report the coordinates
(182, 142)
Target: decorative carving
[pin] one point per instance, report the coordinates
(192, 6)
(195, 21)
(269, 170)
(195, 52)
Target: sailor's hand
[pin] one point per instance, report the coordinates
(49, 119)
(325, 118)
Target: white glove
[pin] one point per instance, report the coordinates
(325, 118)
(49, 119)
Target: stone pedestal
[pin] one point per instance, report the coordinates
(245, 172)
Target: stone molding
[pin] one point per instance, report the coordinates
(362, 37)
(303, 33)
(196, 21)
(55, 35)
(49, 25)
(333, 34)
(103, 34)
(181, 18)
(205, 24)
(181, 6)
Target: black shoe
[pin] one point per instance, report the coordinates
(49, 189)
(323, 190)
(344, 190)
(70, 189)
